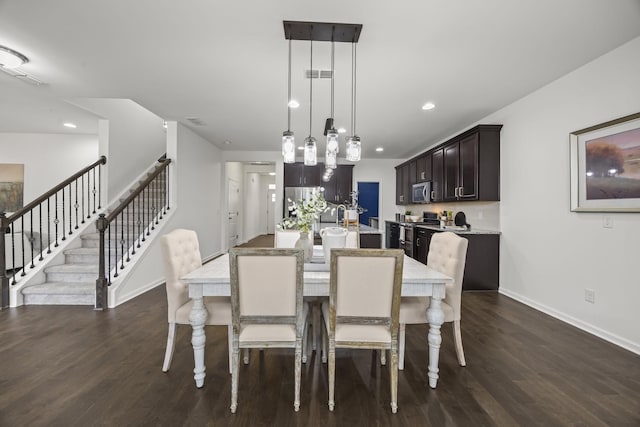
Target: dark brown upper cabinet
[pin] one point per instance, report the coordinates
(423, 172)
(338, 188)
(466, 167)
(403, 195)
(299, 175)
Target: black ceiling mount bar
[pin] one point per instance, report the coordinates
(322, 31)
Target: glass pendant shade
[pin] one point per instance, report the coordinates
(354, 149)
(332, 141)
(310, 151)
(330, 159)
(288, 147)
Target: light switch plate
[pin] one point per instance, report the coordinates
(607, 221)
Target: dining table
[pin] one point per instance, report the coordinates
(214, 279)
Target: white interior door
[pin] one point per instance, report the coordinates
(271, 208)
(234, 208)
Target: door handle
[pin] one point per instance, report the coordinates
(460, 191)
(424, 194)
(433, 195)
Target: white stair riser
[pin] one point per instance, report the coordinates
(71, 277)
(43, 299)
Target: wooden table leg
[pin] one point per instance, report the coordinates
(435, 315)
(197, 318)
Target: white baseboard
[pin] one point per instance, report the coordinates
(587, 327)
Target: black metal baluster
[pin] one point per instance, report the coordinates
(139, 220)
(76, 206)
(31, 239)
(144, 225)
(64, 235)
(94, 190)
(56, 221)
(149, 217)
(121, 243)
(133, 226)
(49, 225)
(159, 194)
(109, 259)
(154, 216)
(82, 193)
(40, 218)
(99, 189)
(22, 237)
(128, 227)
(13, 253)
(167, 185)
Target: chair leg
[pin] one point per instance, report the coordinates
(401, 339)
(332, 375)
(298, 369)
(171, 345)
(394, 379)
(234, 375)
(324, 344)
(305, 342)
(457, 338)
(230, 345)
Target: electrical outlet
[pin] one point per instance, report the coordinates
(590, 296)
(607, 221)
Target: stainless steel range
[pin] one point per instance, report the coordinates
(407, 233)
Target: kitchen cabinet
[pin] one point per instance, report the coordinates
(423, 169)
(372, 241)
(437, 175)
(482, 266)
(466, 167)
(403, 193)
(338, 188)
(392, 235)
(472, 165)
(299, 175)
(422, 239)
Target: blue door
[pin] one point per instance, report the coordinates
(368, 198)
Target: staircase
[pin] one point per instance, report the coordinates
(74, 282)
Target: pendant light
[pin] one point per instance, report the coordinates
(354, 149)
(332, 134)
(310, 150)
(288, 140)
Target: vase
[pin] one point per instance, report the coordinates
(332, 237)
(306, 244)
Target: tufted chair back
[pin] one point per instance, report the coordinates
(180, 256)
(447, 254)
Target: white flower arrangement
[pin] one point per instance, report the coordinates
(305, 212)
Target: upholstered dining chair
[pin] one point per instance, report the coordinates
(363, 307)
(447, 254)
(266, 306)
(181, 255)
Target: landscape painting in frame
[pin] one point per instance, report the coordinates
(605, 166)
(11, 187)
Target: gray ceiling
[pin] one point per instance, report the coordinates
(226, 63)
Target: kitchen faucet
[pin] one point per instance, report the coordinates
(344, 208)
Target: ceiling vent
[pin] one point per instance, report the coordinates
(317, 74)
(21, 75)
(195, 121)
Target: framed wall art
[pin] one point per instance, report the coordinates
(11, 187)
(605, 166)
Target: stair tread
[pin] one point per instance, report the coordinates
(61, 288)
(72, 268)
(82, 251)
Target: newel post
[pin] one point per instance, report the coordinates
(4, 280)
(101, 282)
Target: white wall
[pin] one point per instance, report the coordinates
(549, 255)
(132, 139)
(197, 169)
(254, 217)
(48, 158)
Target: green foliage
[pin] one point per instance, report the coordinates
(305, 212)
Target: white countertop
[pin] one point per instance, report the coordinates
(364, 229)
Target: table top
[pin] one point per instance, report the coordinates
(213, 278)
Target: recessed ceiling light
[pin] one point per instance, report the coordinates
(9, 58)
(272, 173)
(227, 142)
(301, 147)
(429, 106)
(379, 149)
(293, 104)
(341, 130)
(69, 125)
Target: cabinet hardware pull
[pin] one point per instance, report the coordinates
(433, 195)
(455, 192)
(460, 191)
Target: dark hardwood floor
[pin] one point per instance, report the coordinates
(72, 366)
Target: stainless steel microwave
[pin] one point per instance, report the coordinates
(421, 192)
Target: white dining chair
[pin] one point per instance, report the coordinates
(180, 256)
(363, 307)
(266, 306)
(447, 254)
(288, 239)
